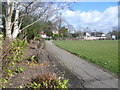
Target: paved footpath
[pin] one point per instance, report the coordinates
(92, 76)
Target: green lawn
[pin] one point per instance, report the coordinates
(101, 52)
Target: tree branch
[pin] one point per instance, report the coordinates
(31, 24)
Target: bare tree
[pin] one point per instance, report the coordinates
(8, 16)
(42, 11)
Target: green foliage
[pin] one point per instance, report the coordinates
(63, 32)
(3, 81)
(33, 60)
(18, 49)
(61, 84)
(50, 84)
(32, 31)
(19, 70)
(56, 36)
(47, 28)
(10, 73)
(14, 54)
(35, 85)
(101, 52)
(74, 35)
(38, 35)
(47, 81)
(78, 34)
(116, 33)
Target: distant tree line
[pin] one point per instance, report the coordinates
(115, 31)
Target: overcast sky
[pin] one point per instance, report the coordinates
(96, 15)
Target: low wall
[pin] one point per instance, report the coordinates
(94, 38)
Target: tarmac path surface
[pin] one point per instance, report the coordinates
(93, 76)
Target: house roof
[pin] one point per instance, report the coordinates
(42, 33)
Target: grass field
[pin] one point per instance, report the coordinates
(101, 52)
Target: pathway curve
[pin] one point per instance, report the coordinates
(92, 76)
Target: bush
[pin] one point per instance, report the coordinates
(48, 81)
(12, 54)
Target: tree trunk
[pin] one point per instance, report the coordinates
(8, 21)
(8, 27)
(16, 26)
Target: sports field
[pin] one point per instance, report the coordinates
(101, 52)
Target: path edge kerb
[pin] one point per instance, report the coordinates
(73, 74)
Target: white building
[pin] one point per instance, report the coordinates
(113, 37)
(43, 35)
(55, 32)
(103, 35)
(87, 35)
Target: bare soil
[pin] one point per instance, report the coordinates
(33, 69)
(46, 64)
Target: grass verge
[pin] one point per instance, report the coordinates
(101, 52)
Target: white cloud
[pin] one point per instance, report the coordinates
(94, 19)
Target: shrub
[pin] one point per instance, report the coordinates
(48, 81)
(12, 54)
